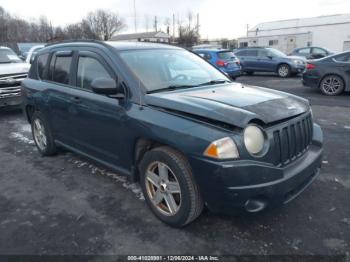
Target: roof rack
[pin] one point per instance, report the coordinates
(76, 41)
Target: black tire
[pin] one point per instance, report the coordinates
(49, 148)
(332, 85)
(283, 70)
(191, 202)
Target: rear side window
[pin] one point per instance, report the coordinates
(61, 69)
(89, 69)
(343, 58)
(42, 61)
(251, 53)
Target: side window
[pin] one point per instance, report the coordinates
(41, 65)
(319, 51)
(61, 69)
(263, 53)
(241, 53)
(343, 58)
(304, 51)
(252, 53)
(89, 69)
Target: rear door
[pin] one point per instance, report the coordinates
(266, 61)
(248, 58)
(59, 94)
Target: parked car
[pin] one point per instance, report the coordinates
(32, 53)
(267, 59)
(330, 74)
(223, 59)
(24, 48)
(312, 52)
(12, 71)
(163, 116)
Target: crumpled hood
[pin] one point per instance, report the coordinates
(14, 68)
(232, 103)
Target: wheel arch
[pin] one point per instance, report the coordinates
(142, 146)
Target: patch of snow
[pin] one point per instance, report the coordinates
(347, 127)
(133, 187)
(22, 138)
(25, 128)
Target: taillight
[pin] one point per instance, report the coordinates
(310, 66)
(221, 63)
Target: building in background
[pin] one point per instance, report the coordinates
(157, 37)
(332, 32)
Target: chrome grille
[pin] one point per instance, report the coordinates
(292, 140)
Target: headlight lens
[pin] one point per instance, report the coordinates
(298, 62)
(224, 148)
(254, 139)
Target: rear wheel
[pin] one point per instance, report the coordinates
(283, 70)
(42, 135)
(169, 187)
(332, 85)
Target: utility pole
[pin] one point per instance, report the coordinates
(173, 27)
(135, 23)
(155, 24)
(247, 29)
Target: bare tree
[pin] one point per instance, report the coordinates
(104, 24)
(167, 25)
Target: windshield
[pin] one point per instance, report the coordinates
(160, 69)
(8, 56)
(276, 52)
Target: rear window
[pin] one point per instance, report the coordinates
(42, 61)
(226, 55)
(61, 69)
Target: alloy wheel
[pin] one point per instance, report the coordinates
(163, 188)
(39, 134)
(283, 71)
(331, 85)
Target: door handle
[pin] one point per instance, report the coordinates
(75, 99)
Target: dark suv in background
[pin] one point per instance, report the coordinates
(165, 117)
(263, 59)
(312, 52)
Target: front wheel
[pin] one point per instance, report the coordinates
(283, 71)
(169, 187)
(332, 85)
(42, 135)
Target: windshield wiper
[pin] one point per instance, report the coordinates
(214, 82)
(171, 88)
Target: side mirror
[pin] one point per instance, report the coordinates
(105, 86)
(270, 57)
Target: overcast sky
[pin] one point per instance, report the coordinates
(218, 18)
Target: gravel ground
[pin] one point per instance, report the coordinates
(68, 205)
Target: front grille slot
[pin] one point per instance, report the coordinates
(293, 140)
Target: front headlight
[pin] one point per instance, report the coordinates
(254, 139)
(298, 62)
(224, 148)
